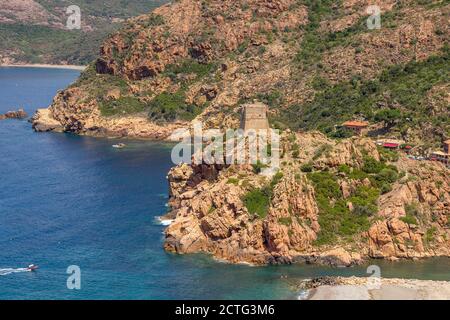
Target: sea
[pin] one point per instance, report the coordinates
(87, 215)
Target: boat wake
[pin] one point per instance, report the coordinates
(6, 271)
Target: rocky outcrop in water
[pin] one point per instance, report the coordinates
(19, 114)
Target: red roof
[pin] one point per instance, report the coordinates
(390, 145)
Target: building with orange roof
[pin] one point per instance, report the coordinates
(356, 126)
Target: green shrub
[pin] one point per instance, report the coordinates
(307, 167)
(153, 20)
(388, 155)
(123, 105)
(385, 188)
(190, 66)
(325, 183)
(372, 166)
(365, 199)
(344, 169)
(234, 181)
(412, 209)
(388, 116)
(276, 179)
(262, 50)
(387, 176)
(430, 234)
(258, 166)
(405, 85)
(341, 133)
(243, 46)
(168, 107)
(285, 221)
(272, 99)
(322, 150)
(358, 174)
(335, 218)
(363, 210)
(211, 209)
(257, 201)
(409, 219)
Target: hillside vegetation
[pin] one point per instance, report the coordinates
(35, 32)
(315, 63)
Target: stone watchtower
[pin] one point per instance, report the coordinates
(254, 116)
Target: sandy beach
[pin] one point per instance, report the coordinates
(51, 66)
(384, 289)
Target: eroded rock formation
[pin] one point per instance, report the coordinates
(210, 214)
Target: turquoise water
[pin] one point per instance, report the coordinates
(70, 200)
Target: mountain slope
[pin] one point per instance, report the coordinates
(314, 62)
(34, 31)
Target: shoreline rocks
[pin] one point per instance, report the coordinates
(92, 124)
(19, 114)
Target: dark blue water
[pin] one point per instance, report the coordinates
(69, 200)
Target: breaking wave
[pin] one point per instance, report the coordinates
(164, 222)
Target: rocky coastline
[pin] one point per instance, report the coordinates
(335, 201)
(209, 211)
(134, 126)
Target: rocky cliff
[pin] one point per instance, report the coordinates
(336, 200)
(315, 64)
(329, 206)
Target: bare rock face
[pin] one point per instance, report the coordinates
(393, 239)
(426, 185)
(206, 203)
(427, 193)
(43, 122)
(347, 152)
(338, 257)
(178, 30)
(185, 236)
(210, 214)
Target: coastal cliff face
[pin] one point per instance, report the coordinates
(315, 65)
(330, 206)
